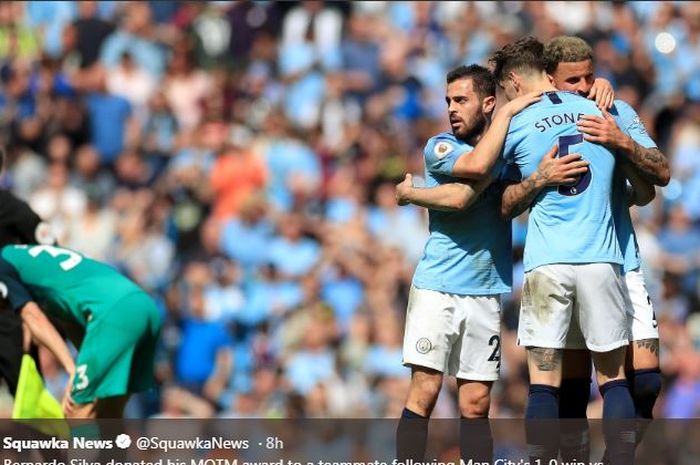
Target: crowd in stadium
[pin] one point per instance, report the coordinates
(238, 160)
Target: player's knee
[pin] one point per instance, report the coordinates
(476, 405)
(610, 366)
(424, 392)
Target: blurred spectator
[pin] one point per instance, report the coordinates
(237, 174)
(313, 19)
(136, 38)
(86, 34)
(141, 248)
(290, 162)
(128, 81)
(360, 54)
(51, 18)
(59, 202)
(94, 231)
(246, 237)
(404, 228)
(111, 117)
(680, 240)
(247, 21)
(17, 38)
(185, 88)
(204, 361)
(159, 129)
(292, 253)
(314, 363)
(90, 177)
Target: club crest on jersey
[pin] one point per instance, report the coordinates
(637, 124)
(442, 149)
(423, 345)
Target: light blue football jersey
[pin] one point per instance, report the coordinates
(567, 224)
(628, 121)
(468, 252)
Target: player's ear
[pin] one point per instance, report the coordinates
(515, 80)
(551, 78)
(488, 104)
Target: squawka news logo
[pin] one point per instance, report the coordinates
(20, 445)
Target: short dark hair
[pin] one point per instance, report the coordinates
(482, 79)
(524, 54)
(566, 49)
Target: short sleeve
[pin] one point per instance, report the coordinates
(441, 154)
(629, 122)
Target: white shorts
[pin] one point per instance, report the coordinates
(641, 319)
(458, 335)
(556, 297)
(640, 311)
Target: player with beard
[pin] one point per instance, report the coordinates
(454, 312)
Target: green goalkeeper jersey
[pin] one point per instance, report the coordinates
(66, 284)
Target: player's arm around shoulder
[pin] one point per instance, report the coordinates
(441, 153)
(629, 138)
(478, 163)
(602, 93)
(453, 196)
(518, 196)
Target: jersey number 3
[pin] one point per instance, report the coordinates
(71, 261)
(565, 143)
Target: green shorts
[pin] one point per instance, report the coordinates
(118, 350)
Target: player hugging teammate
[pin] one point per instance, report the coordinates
(584, 296)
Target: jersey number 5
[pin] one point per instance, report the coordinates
(565, 143)
(68, 264)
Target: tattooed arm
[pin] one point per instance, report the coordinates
(551, 172)
(518, 197)
(650, 162)
(640, 192)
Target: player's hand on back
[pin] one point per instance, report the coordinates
(601, 130)
(602, 93)
(556, 171)
(403, 190)
(518, 104)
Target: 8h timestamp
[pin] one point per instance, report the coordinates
(272, 442)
